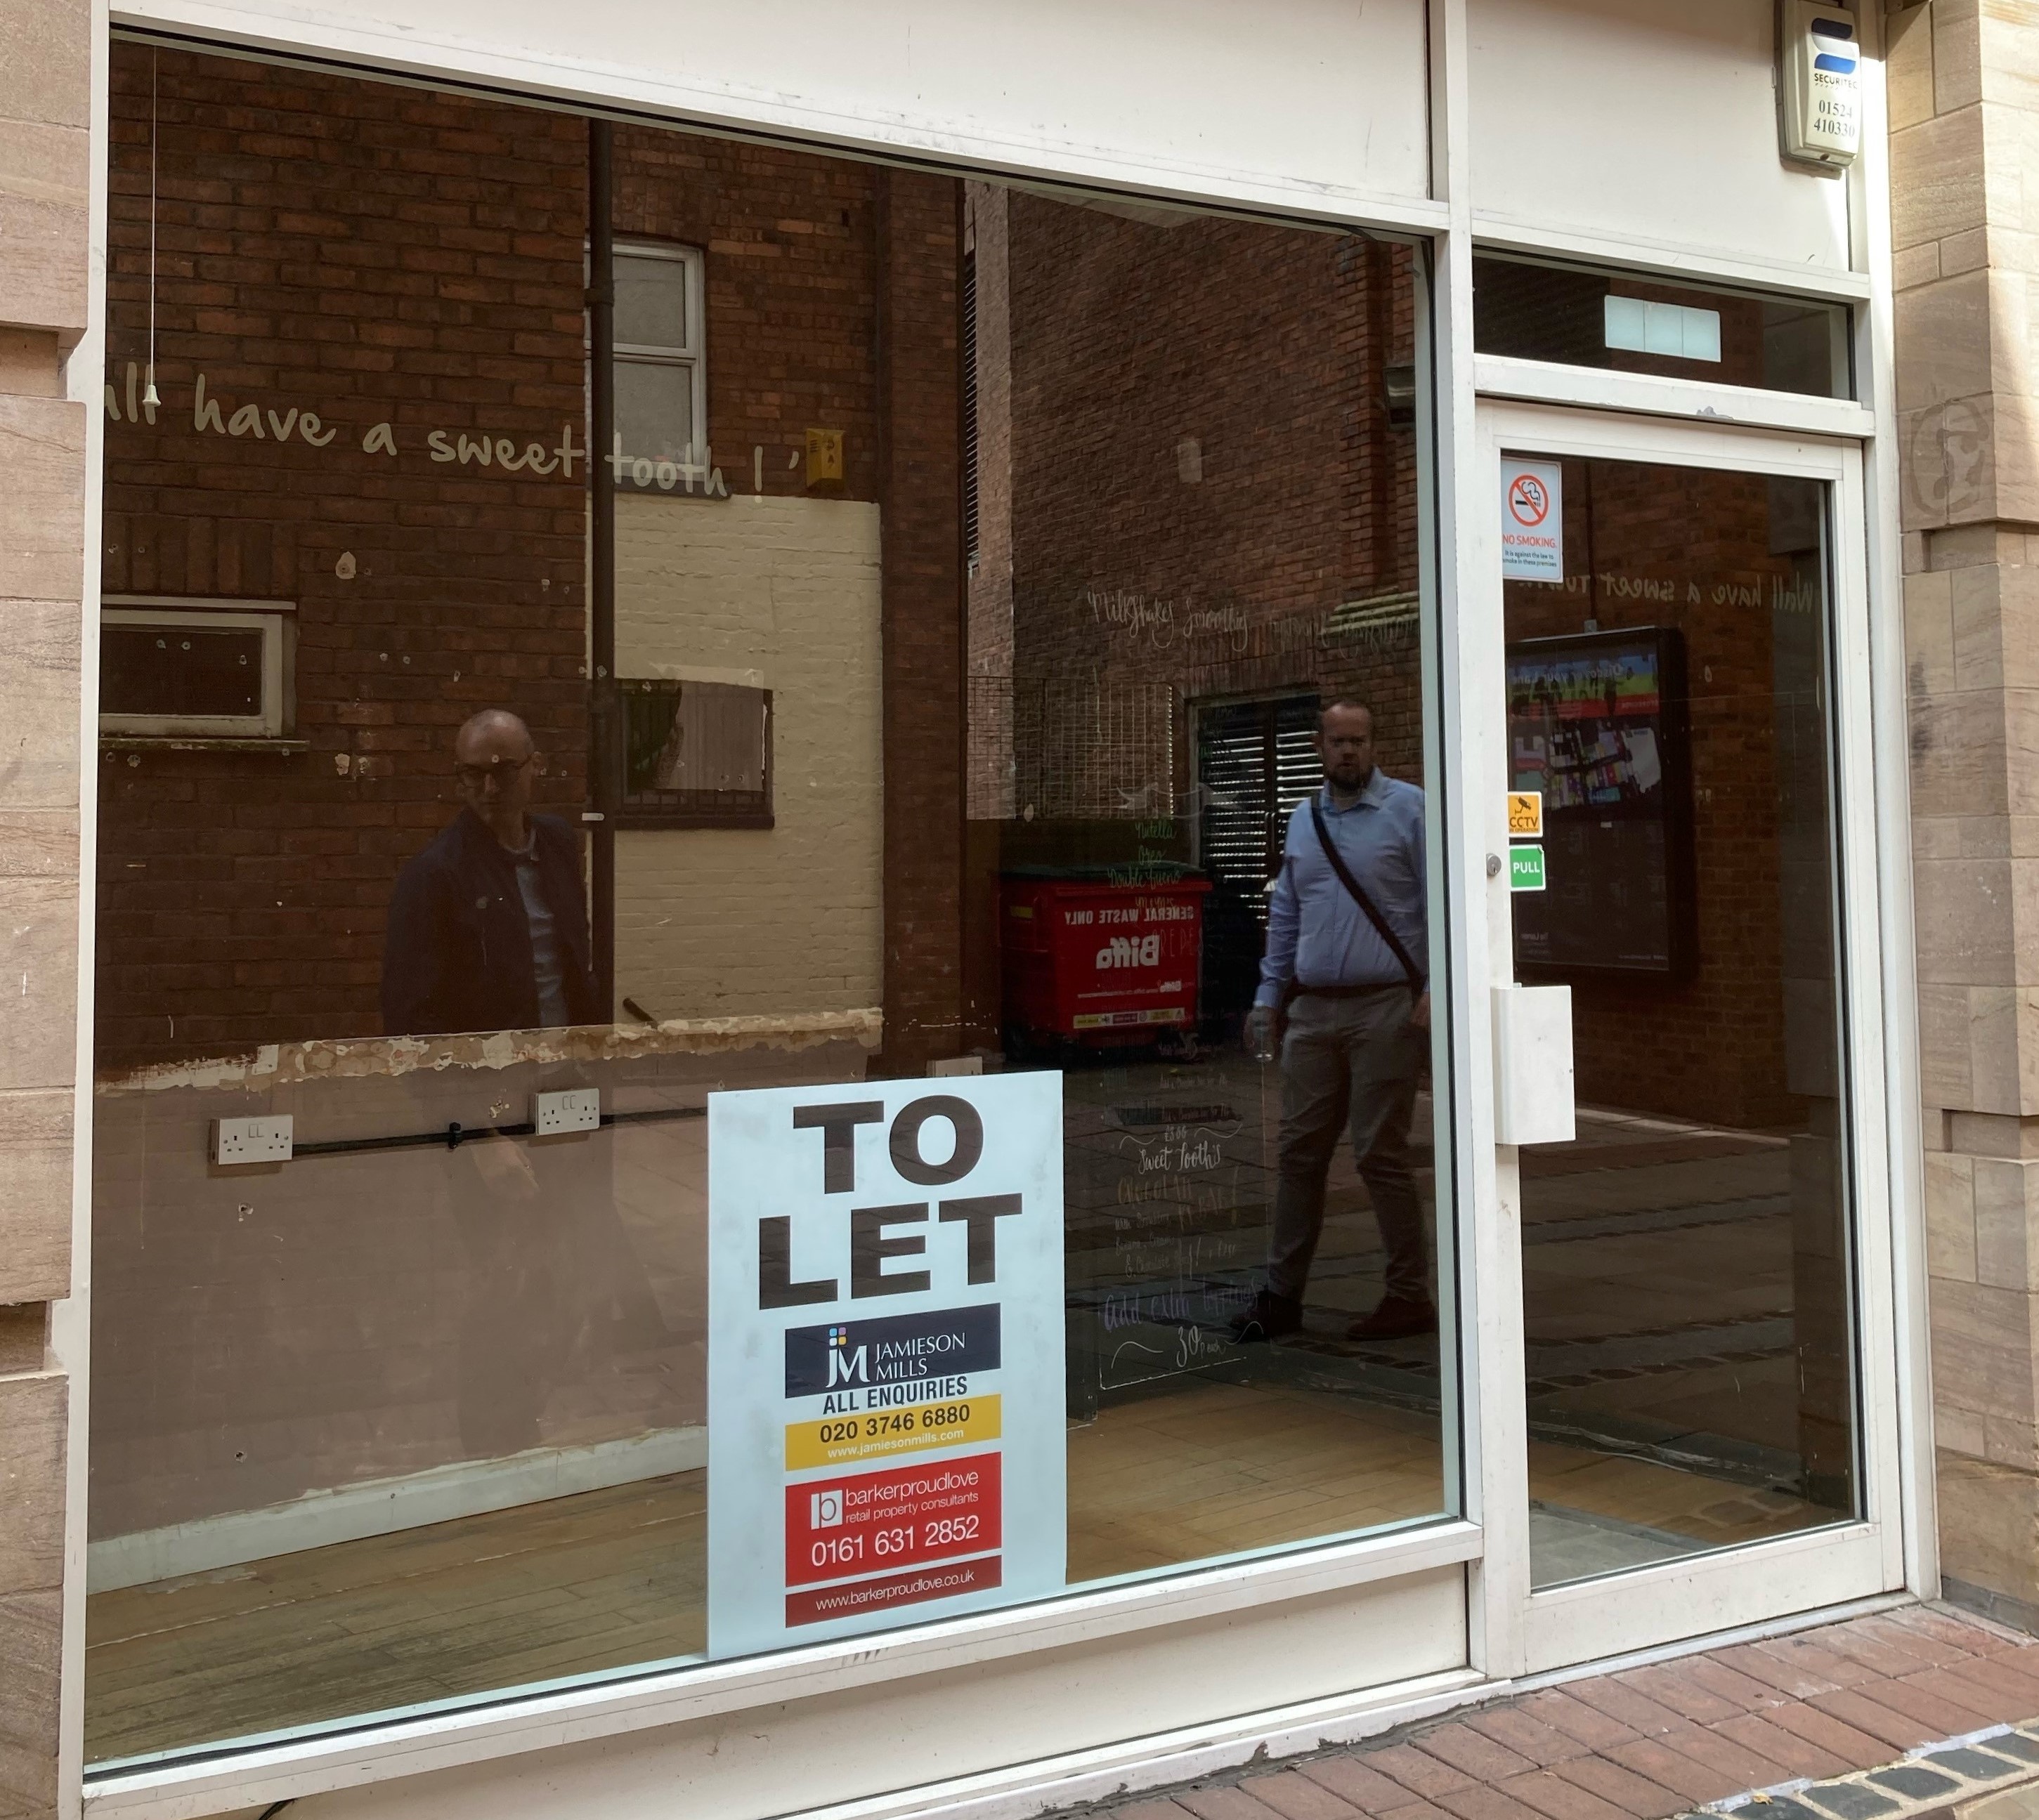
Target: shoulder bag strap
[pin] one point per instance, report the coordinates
(1359, 897)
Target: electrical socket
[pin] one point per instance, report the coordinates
(237, 1142)
(576, 1109)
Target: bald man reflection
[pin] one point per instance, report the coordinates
(488, 929)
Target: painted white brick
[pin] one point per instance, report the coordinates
(724, 922)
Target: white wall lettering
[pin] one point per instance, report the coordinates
(266, 423)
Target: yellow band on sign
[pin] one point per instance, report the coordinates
(871, 1433)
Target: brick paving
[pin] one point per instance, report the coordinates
(1647, 1743)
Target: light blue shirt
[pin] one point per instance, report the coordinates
(1316, 934)
(547, 974)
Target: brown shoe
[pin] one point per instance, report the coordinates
(1395, 1317)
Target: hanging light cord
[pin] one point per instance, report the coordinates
(149, 395)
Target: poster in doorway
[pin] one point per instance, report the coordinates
(1597, 721)
(885, 1372)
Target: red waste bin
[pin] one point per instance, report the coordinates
(1094, 962)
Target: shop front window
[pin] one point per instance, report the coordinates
(791, 1068)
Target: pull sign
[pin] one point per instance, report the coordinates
(1822, 82)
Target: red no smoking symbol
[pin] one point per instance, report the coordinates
(1528, 500)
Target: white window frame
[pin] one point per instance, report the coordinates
(1849, 1559)
(693, 355)
(270, 618)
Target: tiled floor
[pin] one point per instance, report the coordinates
(1649, 1742)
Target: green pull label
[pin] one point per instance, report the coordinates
(1525, 868)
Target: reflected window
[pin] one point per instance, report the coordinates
(661, 373)
(695, 754)
(190, 669)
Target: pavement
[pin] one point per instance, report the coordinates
(1922, 1711)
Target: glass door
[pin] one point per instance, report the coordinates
(1678, 739)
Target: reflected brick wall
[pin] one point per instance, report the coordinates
(367, 255)
(333, 255)
(792, 298)
(1207, 492)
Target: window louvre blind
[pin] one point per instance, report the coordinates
(1256, 761)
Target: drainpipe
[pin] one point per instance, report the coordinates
(605, 757)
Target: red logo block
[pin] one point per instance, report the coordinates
(870, 1522)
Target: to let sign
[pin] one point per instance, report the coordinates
(886, 1384)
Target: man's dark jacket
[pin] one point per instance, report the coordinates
(458, 956)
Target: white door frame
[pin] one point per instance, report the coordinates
(1530, 1632)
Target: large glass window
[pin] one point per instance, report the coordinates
(885, 757)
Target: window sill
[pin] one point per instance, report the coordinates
(220, 1778)
(631, 824)
(179, 742)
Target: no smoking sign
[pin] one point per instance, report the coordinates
(1533, 519)
(1528, 500)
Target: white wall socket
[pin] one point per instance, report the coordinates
(238, 1141)
(576, 1109)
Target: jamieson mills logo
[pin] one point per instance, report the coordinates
(844, 1366)
(896, 1349)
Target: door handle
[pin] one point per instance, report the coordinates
(1533, 1102)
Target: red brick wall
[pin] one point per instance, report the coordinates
(832, 303)
(370, 254)
(1266, 347)
(374, 254)
(790, 242)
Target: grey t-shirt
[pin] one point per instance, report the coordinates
(545, 969)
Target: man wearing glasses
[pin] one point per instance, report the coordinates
(488, 928)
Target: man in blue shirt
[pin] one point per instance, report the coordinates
(1359, 1012)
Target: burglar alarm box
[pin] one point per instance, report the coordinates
(1098, 962)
